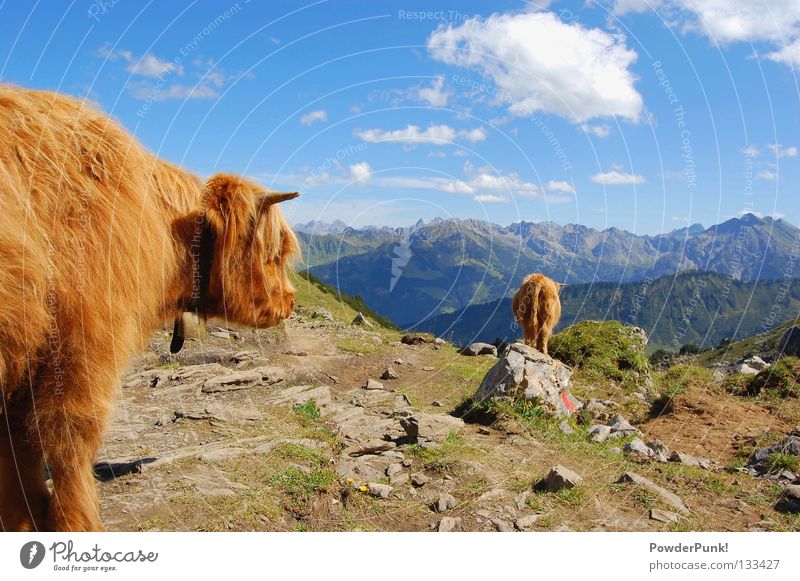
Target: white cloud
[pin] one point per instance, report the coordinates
(152, 66)
(490, 198)
(540, 63)
(556, 186)
(751, 151)
(776, 22)
(767, 175)
(617, 178)
(434, 95)
(313, 117)
(438, 134)
(781, 151)
(148, 65)
(361, 173)
(601, 130)
(461, 153)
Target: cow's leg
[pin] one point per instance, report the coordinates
(542, 338)
(71, 420)
(24, 497)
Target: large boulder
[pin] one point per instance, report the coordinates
(527, 374)
(474, 349)
(790, 342)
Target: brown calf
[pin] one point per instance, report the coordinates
(537, 308)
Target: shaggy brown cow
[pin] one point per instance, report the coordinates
(537, 309)
(100, 243)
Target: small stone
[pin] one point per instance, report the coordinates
(439, 341)
(566, 428)
(638, 449)
(444, 502)
(437, 404)
(419, 480)
(427, 368)
(619, 424)
(398, 361)
(448, 524)
(485, 431)
(373, 384)
(389, 374)
(360, 319)
(407, 463)
(526, 522)
(660, 450)
(479, 349)
(599, 433)
(402, 401)
(688, 460)
(560, 477)
(756, 363)
(502, 526)
(379, 490)
(398, 479)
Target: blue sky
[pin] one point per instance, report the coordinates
(640, 114)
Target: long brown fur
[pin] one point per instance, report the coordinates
(537, 309)
(96, 252)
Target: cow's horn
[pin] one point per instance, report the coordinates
(270, 198)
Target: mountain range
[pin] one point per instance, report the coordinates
(689, 307)
(412, 273)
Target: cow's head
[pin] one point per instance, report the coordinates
(240, 251)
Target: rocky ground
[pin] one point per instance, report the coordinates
(325, 425)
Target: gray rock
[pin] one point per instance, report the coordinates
(402, 401)
(430, 427)
(618, 423)
(398, 361)
(566, 428)
(668, 497)
(419, 480)
(687, 460)
(745, 369)
(526, 522)
(527, 374)
(379, 490)
(560, 477)
(479, 349)
(502, 526)
(449, 524)
(437, 404)
(756, 363)
(373, 384)
(360, 319)
(444, 502)
(439, 341)
(596, 408)
(660, 450)
(237, 380)
(599, 433)
(221, 413)
(389, 374)
(638, 449)
(370, 447)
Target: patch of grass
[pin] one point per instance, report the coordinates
(307, 412)
(644, 497)
(608, 348)
(299, 486)
(782, 379)
(154, 522)
(574, 497)
(778, 462)
(295, 452)
(736, 384)
(447, 458)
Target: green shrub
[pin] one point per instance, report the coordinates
(663, 358)
(781, 379)
(737, 383)
(609, 348)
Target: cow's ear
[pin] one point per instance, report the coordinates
(227, 205)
